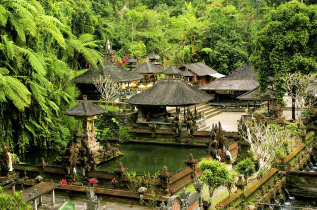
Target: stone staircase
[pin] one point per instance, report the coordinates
(204, 109)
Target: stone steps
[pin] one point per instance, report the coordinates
(203, 108)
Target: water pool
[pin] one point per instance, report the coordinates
(151, 158)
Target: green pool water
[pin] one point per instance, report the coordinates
(152, 158)
(136, 157)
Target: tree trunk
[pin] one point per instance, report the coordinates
(293, 108)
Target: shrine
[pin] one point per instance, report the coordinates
(86, 152)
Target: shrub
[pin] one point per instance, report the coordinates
(245, 167)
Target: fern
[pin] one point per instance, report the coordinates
(3, 15)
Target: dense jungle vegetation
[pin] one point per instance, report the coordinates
(45, 43)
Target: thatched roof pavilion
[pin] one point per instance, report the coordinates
(166, 92)
(200, 69)
(85, 81)
(85, 109)
(154, 56)
(172, 71)
(116, 73)
(201, 72)
(132, 63)
(255, 95)
(148, 70)
(242, 79)
(170, 92)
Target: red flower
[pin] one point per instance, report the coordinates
(93, 181)
(124, 61)
(126, 57)
(63, 181)
(118, 63)
(159, 66)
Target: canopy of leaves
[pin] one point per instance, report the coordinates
(245, 167)
(286, 44)
(36, 53)
(215, 174)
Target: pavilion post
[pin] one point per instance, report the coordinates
(13, 188)
(268, 106)
(53, 197)
(184, 113)
(254, 106)
(35, 204)
(195, 111)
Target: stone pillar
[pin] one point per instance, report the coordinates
(13, 188)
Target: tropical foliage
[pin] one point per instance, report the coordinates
(286, 44)
(12, 202)
(36, 53)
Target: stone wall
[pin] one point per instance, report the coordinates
(302, 183)
(271, 186)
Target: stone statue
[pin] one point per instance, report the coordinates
(243, 145)
(4, 160)
(190, 124)
(216, 143)
(176, 126)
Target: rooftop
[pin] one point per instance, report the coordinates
(200, 69)
(170, 92)
(116, 73)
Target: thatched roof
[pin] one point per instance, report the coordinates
(170, 92)
(254, 95)
(200, 69)
(132, 60)
(243, 73)
(154, 56)
(85, 109)
(148, 68)
(116, 73)
(172, 70)
(187, 74)
(243, 79)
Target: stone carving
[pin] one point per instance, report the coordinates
(190, 123)
(185, 200)
(93, 203)
(190, 161)
(243, 145)
(5, 161)
(216, 143)
(177, 126)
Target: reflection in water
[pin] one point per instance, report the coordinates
(152, 158)
(136, 157)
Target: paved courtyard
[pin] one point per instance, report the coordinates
(230, 120)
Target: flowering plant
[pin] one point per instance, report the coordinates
(63, 181)
(93, 182)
